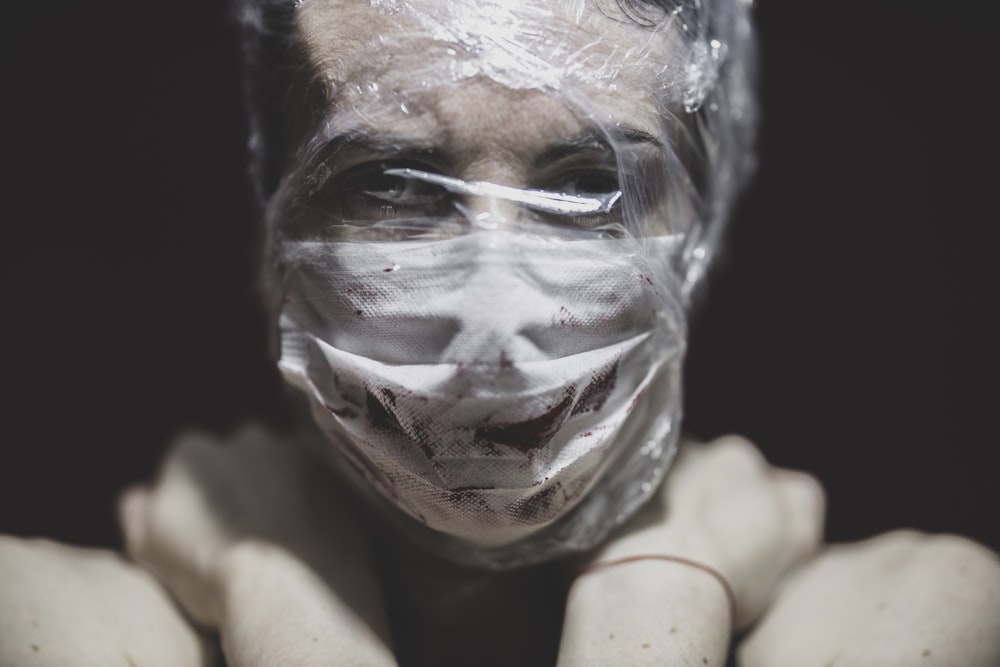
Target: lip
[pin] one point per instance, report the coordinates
(527, 436)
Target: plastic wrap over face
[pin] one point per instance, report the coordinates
(489, 221)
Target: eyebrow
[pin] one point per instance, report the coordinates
(402, 146)
(591, 142)
(381, 144)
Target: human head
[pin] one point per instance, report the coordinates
(711, 78)
(380, 121)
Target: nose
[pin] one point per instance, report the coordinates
(490, 213)
(494, 306)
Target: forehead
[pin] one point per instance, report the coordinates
(416, 62)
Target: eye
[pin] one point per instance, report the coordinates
(593, 182)
(365, 194)
(589, 182)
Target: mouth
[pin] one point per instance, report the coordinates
(530, 435)
(526, 436)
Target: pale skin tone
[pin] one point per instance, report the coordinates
(265, 528)
(496, 124)
(250, 541)
(66, 605)
(728, 509)
(226, 531)
(901, 598)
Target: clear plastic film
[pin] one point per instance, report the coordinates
(487, 221)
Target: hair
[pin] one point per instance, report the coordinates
(270, 64)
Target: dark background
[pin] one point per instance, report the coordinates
(846, 334)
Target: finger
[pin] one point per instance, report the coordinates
(173, 545)
(688, 452)
(805, 502)
(737, 453)
(132, 512)
(703, 470)
(728, 455)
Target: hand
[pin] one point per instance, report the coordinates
(65, 605)
(723, 505)
(251, 540)
(902, 598)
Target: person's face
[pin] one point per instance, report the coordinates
(483, 368)
(538, 94)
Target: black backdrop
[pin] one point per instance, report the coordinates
(845, 333)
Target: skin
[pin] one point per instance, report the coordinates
(722, 506)
(250, 539)
(266, 529)
(900, 598)
(495, 118)
(256, 546)
(283, 568)
(66, 605)
(489, 129)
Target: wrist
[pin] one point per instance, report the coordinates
(646, 612)
(678, 560)
(278, 609)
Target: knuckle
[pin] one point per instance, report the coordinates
(738, 450)
(805, 505)
(902, 538)
(806, 489)
(952, 548)
(132, 517)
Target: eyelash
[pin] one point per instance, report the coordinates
(364, 195)
(609, 177)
